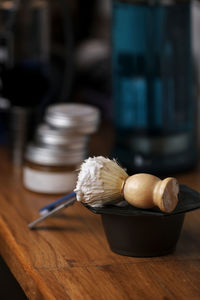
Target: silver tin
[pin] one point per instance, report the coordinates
(42, 155)
(80, 118)
(57, 137)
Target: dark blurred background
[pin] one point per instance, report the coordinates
(53, 51)
(61, 51)
(57, 39)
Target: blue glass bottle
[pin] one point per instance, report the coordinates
(153, 85)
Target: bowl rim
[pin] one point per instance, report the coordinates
(189, 200)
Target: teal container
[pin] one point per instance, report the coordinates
(154, 108)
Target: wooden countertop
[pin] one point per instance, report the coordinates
(68, 256)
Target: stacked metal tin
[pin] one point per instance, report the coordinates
(68, 127)
(61, 145)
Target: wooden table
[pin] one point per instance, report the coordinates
(68, 256)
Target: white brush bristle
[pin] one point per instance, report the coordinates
(100, 181)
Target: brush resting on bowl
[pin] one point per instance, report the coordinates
(140, 232)
(102, 181)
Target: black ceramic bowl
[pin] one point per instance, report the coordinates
(142, 235)
(145, 233)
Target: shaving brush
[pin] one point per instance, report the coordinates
(102, 181)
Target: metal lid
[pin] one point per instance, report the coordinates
(81, 118)
(42, 155)
(59, 137)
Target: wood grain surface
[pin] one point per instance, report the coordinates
(68, 256)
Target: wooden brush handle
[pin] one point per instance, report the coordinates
(147, 191)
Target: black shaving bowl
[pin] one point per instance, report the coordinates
(146, 233)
